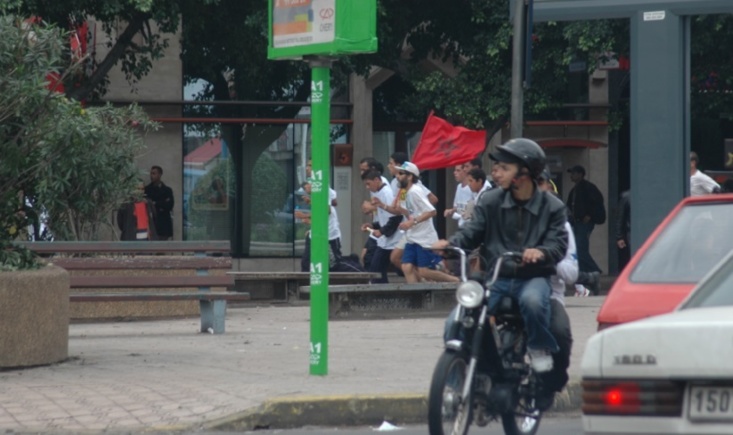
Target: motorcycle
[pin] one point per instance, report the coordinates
(484, 374)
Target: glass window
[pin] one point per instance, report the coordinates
(383, 144)
(717, 290)
(207, 188)
(688, 248)
(275, 196)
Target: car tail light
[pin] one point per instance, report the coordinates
(619, 397)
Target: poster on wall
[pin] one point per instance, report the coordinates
(303, 22)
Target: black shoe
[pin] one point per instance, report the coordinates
(544, 401)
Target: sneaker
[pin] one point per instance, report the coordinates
(581, 291)
(540, 360)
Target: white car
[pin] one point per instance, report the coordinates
(670, 374)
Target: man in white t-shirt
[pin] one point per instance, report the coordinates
(418, 261)
(365, 165)
(395, 161)
(334, 230)
(700, 184)
(463, 195)
(384, 227)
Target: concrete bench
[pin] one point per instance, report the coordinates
(147, 267)
(389, 300)
(212, 305)
(291, 282)
(140, 274)
(221, 247)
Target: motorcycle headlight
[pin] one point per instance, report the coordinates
(470, 294)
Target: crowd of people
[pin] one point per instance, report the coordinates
(401, 226)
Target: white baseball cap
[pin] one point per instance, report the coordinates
(411, 168)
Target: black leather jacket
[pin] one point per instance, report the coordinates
(500, 224)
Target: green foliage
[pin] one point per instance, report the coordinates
(90, 167)
(78, 163)
(14, 257)
(712, 74)
(134, 27)
(226, 46)
(475, 37)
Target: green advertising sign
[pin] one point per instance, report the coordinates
(321, 28)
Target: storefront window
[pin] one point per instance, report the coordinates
(207, 188)
(275, 194)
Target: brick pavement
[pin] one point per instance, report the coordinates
(163, 375)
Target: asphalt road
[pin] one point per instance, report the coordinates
(551, 425)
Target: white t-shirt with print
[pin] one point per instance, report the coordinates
(416, 202)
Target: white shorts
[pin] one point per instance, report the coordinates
(401, 244)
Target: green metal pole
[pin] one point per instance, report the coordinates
(320, 209)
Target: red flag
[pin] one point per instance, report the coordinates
(443, 145)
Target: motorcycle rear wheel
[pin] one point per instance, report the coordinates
(448, 412)
(520, 421)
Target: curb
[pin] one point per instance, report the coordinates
(354, 410)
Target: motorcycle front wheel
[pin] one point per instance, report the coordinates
(524, 420)
(448, 412)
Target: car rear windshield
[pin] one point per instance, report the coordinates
(689, 246)
(715, 291)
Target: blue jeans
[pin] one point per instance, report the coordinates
(533, 296)
(582, 231)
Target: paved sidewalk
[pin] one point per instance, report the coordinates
(164, 376)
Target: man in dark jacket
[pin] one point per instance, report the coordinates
(520, 218)
(162, 197)
(584, 202)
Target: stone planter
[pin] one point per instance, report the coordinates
(34, 317)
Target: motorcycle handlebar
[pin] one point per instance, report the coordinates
(462, 254)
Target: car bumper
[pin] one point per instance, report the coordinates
(625, 425)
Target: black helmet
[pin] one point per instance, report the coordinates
(523, 151)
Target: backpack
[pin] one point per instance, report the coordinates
(599, 214)
(598, 210)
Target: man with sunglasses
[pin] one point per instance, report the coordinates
(418, 260)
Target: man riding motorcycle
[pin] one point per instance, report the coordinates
(520, 217)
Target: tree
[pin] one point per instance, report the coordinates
(138, 20)
(226, 47)
(476, 37)
(77, 162)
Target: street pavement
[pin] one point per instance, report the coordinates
(164, 376)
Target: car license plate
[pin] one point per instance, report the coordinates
(711, 403)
